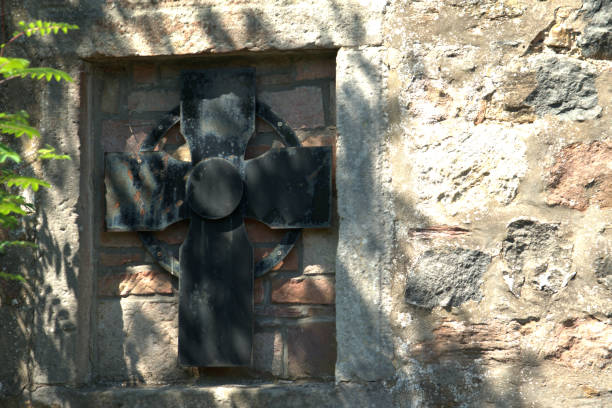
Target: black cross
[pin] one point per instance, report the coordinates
(284, 188)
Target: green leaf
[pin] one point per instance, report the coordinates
(18, 129)
(42, 72)
(9, 207)
(9, 65)
(23, 244)
(26, 182)
(48, 153)
(8, 153)
(11, 276)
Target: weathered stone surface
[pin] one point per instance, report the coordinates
(446, 277)
(265, 395)
(581, 176)
(319, 251)
(581, 343)
(268, 352)
(566, 88)
(365, 243)
(603, 270)
(466, 362)
(14, 347)
(596, 39)
(311, 350)
(477, 168)
(137, 341)
(535, 254)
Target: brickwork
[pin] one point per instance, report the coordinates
(294, 303)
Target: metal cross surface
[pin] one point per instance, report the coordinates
(284, 188)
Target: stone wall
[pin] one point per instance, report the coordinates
(473, 249)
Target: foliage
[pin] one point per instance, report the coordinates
(13, 182)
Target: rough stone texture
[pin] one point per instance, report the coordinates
(482, 164)
(268, 356)
(446, 277)
(603, 270)
(365, 242)
(141, 280)
(536, 255)
(263, 395)
(581, 176)
(309, 353)
(137, 341)
(566, 88)
(596, 40)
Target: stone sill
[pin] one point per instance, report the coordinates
(320, 395)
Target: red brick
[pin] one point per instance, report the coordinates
(153, 101)
(174, 234)
(301, 107)
(120, 239)
(268, 352)
(144, 73)
(260, 232)
(298, 312)
(123, 135)
(114, 259)
(311, 350)
(311, 290)
(315, 70)
(290, 263)
(110, 96)
(258, 291)
(145, 280)
(274, 79)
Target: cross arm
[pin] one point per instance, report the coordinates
(290, 187)
(145, 191)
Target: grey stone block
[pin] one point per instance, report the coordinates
(566, 87)
(446, 277)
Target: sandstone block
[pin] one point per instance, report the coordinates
(268, 352)
(581, 176)
(137, 341)
(311, 350)
(536, 255)
(446, 277)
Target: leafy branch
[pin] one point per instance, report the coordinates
(13, 181)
